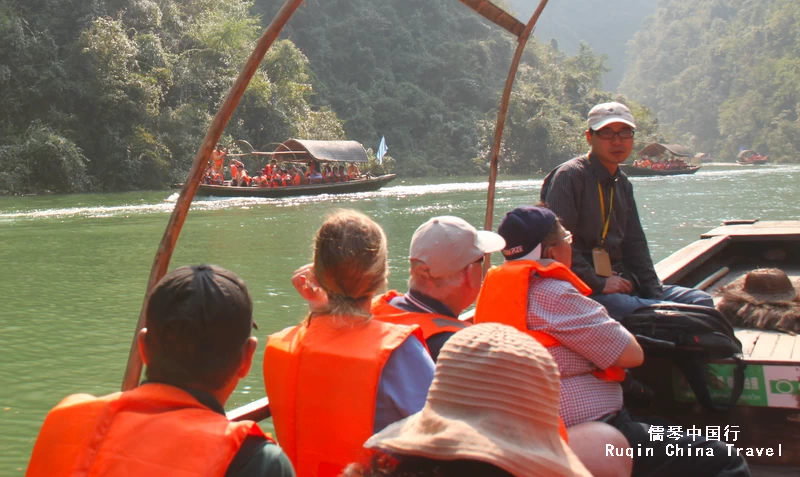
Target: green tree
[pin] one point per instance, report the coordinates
(428, 75)
(127, 88)
(42, 160)
(722, 75)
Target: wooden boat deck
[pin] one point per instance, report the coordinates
(721, 256)
(769, 347)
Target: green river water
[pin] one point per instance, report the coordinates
(74, 268)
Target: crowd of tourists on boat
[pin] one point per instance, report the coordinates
(661, 163)
(274, 174)
(375, 383)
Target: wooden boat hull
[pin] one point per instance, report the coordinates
(767, 414)
(360, 185)
(632, 171)
(757, 162)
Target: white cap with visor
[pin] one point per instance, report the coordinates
(606, 113)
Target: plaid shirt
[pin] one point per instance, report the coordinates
(590, 339)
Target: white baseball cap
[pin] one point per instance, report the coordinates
(606, 113)
(448, 244)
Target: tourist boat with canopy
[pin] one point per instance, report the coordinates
(702, 157)
(306, 152)
(655, 149)
(749, 157)
(718, 257)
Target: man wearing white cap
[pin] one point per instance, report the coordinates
(594, 201)
(446, 256)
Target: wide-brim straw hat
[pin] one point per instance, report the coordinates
(763, 285)
(494, 399)
(765, 299)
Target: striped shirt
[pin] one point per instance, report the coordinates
(590, 339)
(571, 192)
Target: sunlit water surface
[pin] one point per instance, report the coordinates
(74, 268)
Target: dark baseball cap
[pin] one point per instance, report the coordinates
(205, 308)
(524, 228)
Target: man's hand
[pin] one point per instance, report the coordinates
(617, 284)
(305, 282)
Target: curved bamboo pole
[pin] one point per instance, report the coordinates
(133, 370)
(501, 122)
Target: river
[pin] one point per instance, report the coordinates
(75, 267)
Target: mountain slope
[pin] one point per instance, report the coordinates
(605, 26)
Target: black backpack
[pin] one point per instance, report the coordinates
(687, 335)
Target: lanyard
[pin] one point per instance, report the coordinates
(606, 218)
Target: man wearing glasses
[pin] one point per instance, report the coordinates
(594, 201)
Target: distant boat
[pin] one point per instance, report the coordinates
(366, 184)
(630, 170)
(306, 152)
(702, 157)
(654, 150)
(751, 158)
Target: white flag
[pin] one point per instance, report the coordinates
(381, 150)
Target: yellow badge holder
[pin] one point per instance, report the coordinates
(600, 257)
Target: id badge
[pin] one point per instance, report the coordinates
(602, 262)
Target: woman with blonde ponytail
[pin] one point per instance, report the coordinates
(340, 377)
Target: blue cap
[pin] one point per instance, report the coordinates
(524, 228)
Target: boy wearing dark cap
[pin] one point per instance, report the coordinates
(535, 291)
(196, 345)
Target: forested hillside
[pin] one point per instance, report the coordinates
(424, 73)
(118, 94)
(606, 26)
(103, 95)
(723, 74)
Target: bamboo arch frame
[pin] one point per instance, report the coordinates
(133, 370)
(501, 122)
(485, 8)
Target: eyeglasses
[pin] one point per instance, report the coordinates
(567, 238)
(608, 134)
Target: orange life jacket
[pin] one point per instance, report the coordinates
(504, 299)
(154, 429)
(430, 323)
(217, 157)
(296, 180)
(322, 383)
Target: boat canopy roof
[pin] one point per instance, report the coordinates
(746, 153)
(323, 151)
(655, 149)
